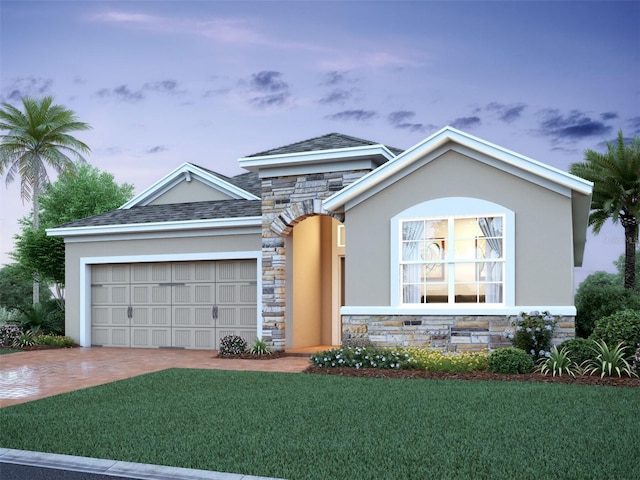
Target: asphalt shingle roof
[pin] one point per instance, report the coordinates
(174, 212)
(326, 142)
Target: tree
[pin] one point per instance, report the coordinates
(77, 194)
(16, 288)
(616, 194)
(38, 138)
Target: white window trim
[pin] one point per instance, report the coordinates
(453, 207)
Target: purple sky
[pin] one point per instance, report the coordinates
(208, 82)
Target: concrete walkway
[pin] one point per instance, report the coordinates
(27, 376)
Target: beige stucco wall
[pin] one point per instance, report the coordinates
(544, 258)
(204, 246)
(193, 191)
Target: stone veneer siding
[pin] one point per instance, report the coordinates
(447, 332)
(285, 202)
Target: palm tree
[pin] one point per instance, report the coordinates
(616, 194)
(36, 139)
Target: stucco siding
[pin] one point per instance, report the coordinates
(186, 192)
(544, 252)
(135, 250)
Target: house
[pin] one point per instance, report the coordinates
(329, 239)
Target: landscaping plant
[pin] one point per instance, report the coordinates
(232, 345)
(363, 357)
(532, 333)
(438, 361)
(581, 349)
(609, 361)
(25, 339)
(260, 347)
(623, 326)
(636, 361)
(9, 334)
(558, 362)
(510, 360)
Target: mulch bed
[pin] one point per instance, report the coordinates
(36, 347)
(480, 375)
(253, 356)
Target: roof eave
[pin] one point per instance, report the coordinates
(239, 222)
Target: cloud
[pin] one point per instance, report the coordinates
(634, 122)
(337, 96)
(465, 122)
(268, 81)
(608, 115)
(355, 115)
(163, 86)
(268, 101)
(157, 149)
(574, 126)
(27, 87)
(507, 113)
(335, 77)
(267, 89)
(400, 119)
(121, 93)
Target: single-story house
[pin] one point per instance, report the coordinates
(330, 239)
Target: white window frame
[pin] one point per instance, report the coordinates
(451, 208)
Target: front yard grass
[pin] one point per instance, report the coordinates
(299, 426)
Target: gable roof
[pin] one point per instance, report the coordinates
(449, 138)
(245, 188)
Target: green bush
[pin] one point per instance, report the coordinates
(54, 340)
(558, 362)
(363, 357)
(260, 347)
(41, 318)
(623, 326)
(608, 360)
(437, 361)
(579, 349)
(510, 360)
(532, 333)
(600, 295)
(232, 345)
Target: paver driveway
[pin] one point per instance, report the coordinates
(27, 376)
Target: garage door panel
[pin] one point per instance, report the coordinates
(110, 274)
(150, 337)
(151, 273)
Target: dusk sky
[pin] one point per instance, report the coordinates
(208, 82)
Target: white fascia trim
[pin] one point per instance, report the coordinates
(365, 163)
(160, 235)
(85, 279)
(156, 227)
(564, 310)
(189, 170)
(322, 156)
(437, 140)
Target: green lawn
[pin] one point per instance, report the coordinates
(6, 350)
(299, 426)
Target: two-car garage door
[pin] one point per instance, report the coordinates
(178, 304)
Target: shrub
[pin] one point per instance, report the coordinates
(8, 334)
(438, 361)
(559, 362)
(367, 357)
(581, 349)
(623, 326)
(40, 318)
(7, 315)
(608, 361)
(598, 296)
(636, 360)
(532, 333)
(510, 360)
(232, 345)
(356, 342)
(259, 347)
(25, 339)
(55, 340)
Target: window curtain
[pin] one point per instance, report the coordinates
(411, 278)
(492, 230)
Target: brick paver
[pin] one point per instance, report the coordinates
(28, 376)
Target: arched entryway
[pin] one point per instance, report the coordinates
(315, 259)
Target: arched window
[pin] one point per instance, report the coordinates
(453, 251)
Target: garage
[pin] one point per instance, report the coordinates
(173, 304)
